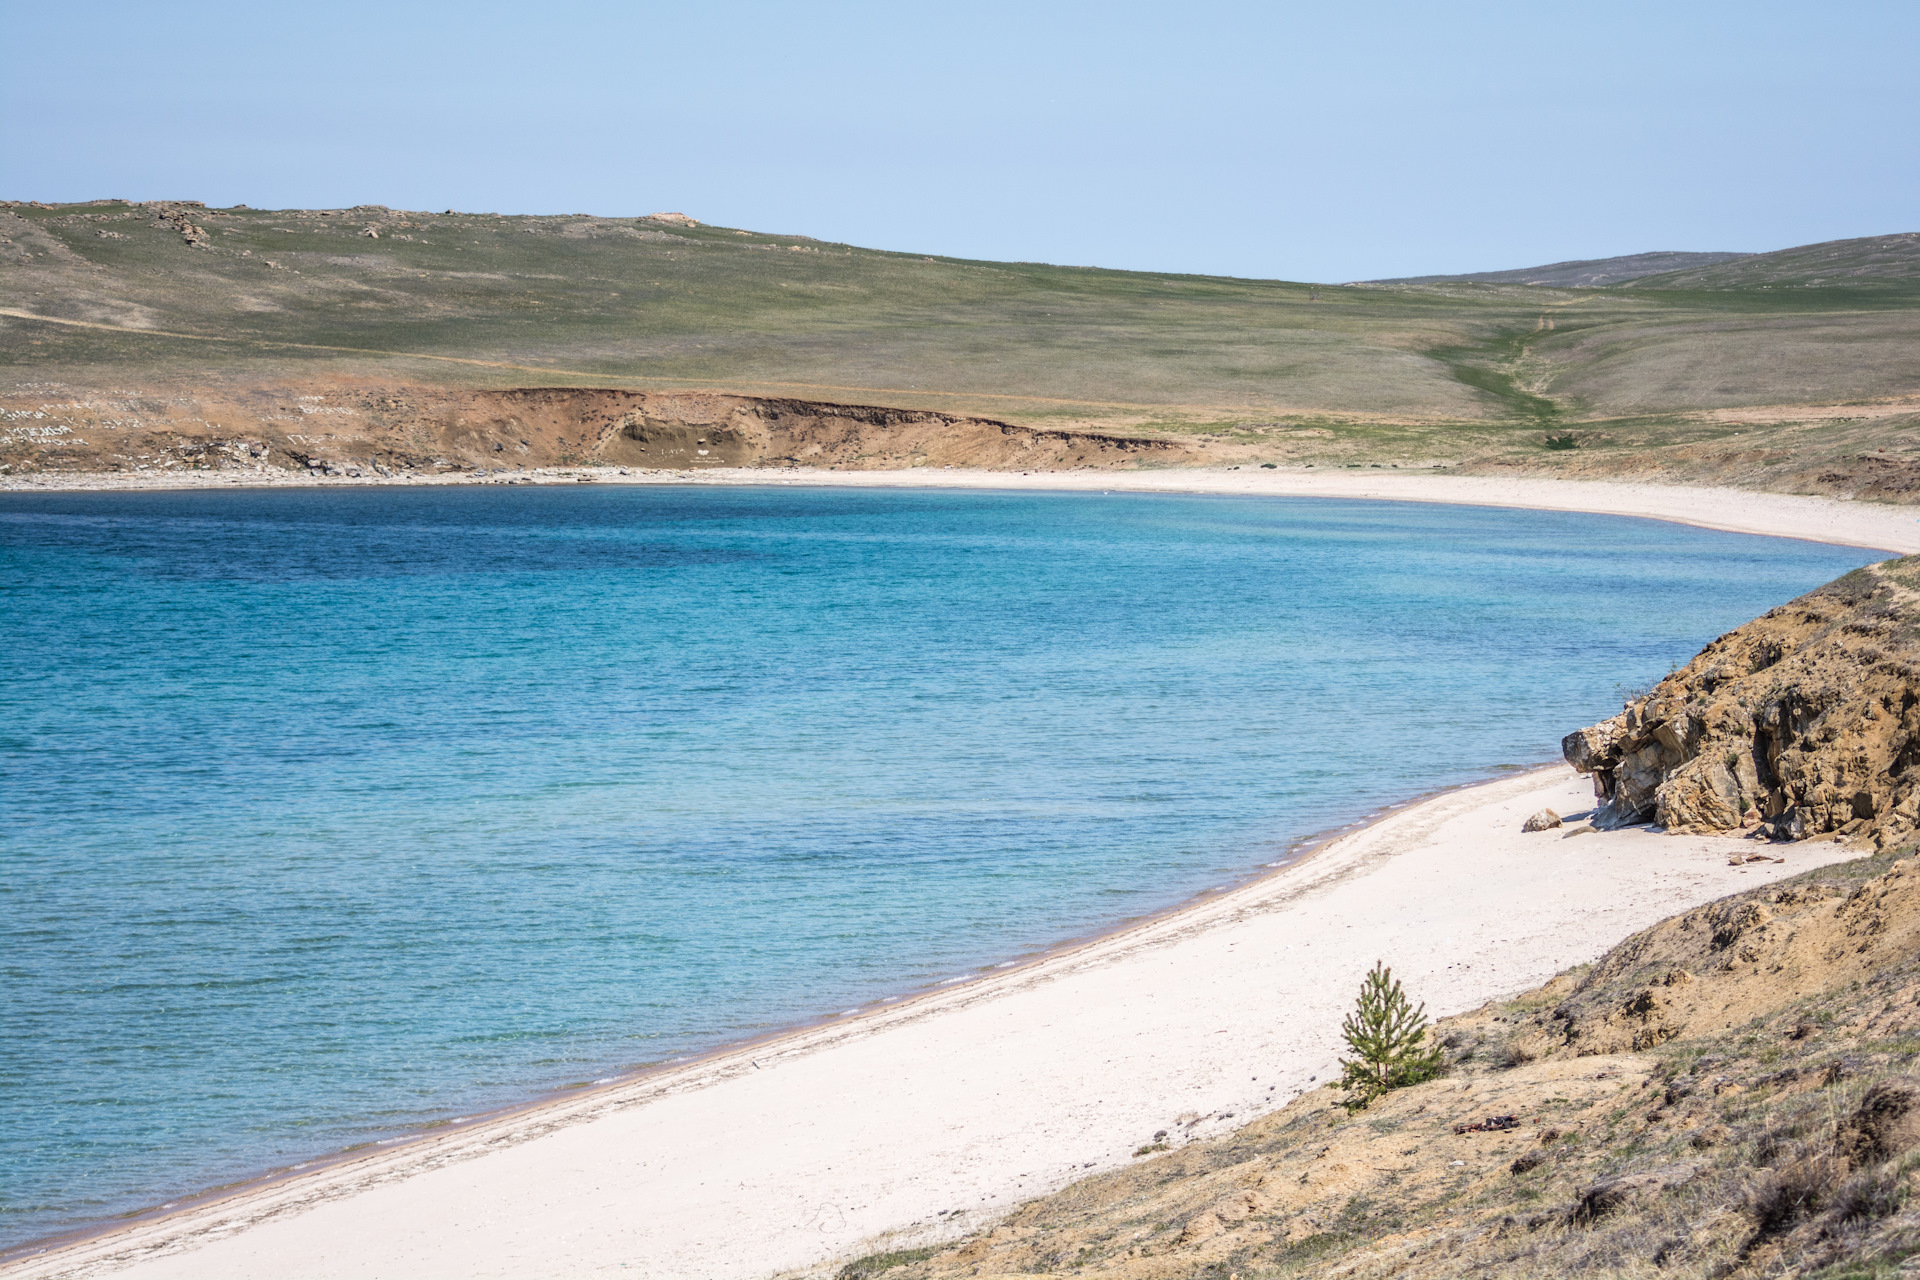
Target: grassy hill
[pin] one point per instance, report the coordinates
(1886, 261)
(202, 311)
(1585, 273)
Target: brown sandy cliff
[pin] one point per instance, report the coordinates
(416, 431)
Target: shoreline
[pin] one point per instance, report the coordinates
(1870, 525)
(1297, 855)
(319, 1219)
(1874, 525)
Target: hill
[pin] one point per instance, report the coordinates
(167, 334)
(1586, 273)
(1866, 261)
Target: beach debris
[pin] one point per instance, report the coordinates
(1545, 820)
(1492, 1124)
(1571, 832)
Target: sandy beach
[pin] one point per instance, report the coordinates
(1864, 524)
(925, 1119)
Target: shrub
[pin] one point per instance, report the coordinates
(1387, 1034)
(876, 1263)
(1516, 1052)
(1795, 1191)
(1869, 1197)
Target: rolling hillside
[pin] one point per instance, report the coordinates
(1872, 260)
(1587, 273)
(205, 326)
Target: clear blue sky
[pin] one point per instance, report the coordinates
(1316, 141)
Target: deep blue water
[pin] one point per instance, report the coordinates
(331, 814)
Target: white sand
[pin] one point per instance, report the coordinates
(841, 1139)
(1863, 524)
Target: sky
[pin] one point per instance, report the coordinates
(1318, 141)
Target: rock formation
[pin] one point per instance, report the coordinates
(1803, 722)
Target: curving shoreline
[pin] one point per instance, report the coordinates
(867, 1131)
(409, 1207)
(1875, 525)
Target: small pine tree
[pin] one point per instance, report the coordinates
(1385, 1033)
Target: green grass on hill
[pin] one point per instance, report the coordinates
(1409, 374)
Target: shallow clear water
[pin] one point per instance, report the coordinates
(328, 815)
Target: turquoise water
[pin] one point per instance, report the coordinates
(328, 815)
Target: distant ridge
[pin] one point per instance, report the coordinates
(1867, 259)
(1588, 273)
(1832, 262)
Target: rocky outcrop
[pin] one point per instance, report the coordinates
(1803, 722)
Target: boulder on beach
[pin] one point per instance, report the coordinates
(1545, 820)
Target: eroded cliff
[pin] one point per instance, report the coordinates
(384, 430)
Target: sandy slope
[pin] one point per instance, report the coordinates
(977, 1097)
(1866, 524)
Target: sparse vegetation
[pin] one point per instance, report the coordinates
(1699, 1104)
(880, 1263)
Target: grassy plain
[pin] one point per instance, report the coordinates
(1773, 383)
